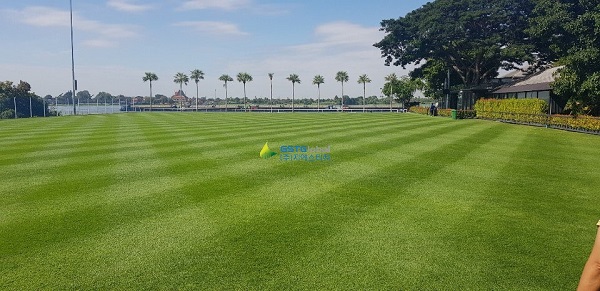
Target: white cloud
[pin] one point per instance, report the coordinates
(215, 4)
(41, 16)
(341, 34)
(51, 17)
(127, 6)
(213, 27)
(338, 46)
(100, 43)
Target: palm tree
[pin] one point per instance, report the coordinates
(244, 78)
(150, 77)
(181, 78)
(364, 79)
(392, 79)
(225, 78)
(318, 80)
(271, 78)
(342, 77)
(197, 75)
(294, 79)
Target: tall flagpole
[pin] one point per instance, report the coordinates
(73, 60)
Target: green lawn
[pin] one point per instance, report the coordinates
(183, 201)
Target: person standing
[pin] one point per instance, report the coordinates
(590, 276)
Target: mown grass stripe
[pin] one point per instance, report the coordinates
(77, 186)
(211, 214)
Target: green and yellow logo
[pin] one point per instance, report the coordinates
(266, 152)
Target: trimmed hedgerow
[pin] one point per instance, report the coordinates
(533, 111)
(529, 111)
(460, 114)
(581, 122)
(419, 110)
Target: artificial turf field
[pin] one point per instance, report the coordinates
(183, 201)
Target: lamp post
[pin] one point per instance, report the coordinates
(73, 60)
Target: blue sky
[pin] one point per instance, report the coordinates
(116, 41)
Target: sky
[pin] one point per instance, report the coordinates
(117, 41)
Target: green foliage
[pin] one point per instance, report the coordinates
(197, 75)
(181, 79)
(568, 32)
(294, 78)
(581, 122)
(532, 111)
(225, 78)
(7, 114)
(474, 38)
(433, 76)
(83, 96)
(27, 103)
(244, 78)
(501, 108)
(460, 114)
(149, 77)
(342, 77)
(318, 80)
(104, 97)
(403, 88)
(419, 110)
(517, 110)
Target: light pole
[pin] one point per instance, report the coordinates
(73, 60)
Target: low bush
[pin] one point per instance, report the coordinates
(466, 114)
(445, 112)
(7, 114)
(530, 111)
(419, 110)
(581, 122)
(533, 111)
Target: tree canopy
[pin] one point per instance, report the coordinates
(19, 96)
(569, 32)
(181, 78)
(473, 38)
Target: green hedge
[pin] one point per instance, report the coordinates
(460, 114)
(419, 110)
(580, 123)
(445, 112)
(498, 108)
(516, 110)
(533, 111)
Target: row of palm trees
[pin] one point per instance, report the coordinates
(243, 77)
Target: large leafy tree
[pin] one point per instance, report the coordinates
(104, 96)
(294, 79)
(318, 80)
(197, 75)
(433, 76)
(405, 88)
(342, 77)
(568, 31)
(244, 78)
(83, 96)
(364, 79)
(225, 78)
(19, 97)
(149, 76)
(472, 37)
